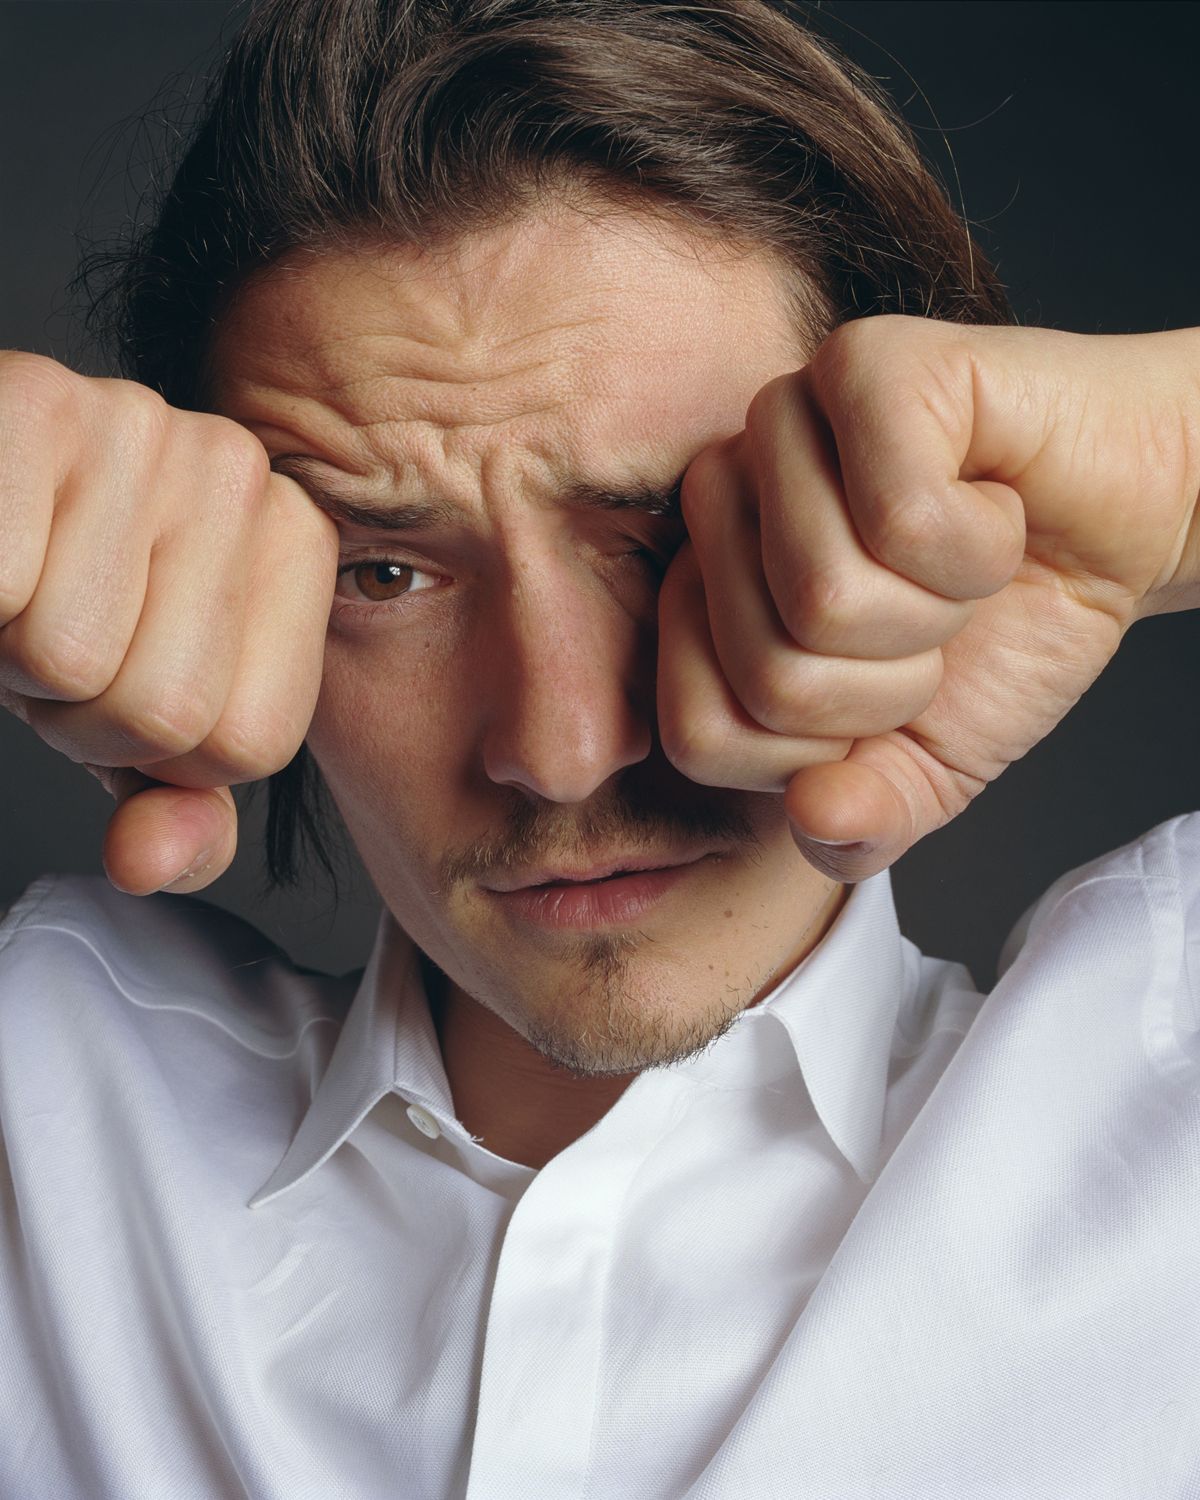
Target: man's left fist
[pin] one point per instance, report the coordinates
(922, 549)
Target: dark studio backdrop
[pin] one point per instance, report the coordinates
(1068, 132)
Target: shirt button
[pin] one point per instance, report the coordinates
(424, 1121)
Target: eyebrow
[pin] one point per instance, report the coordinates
(426, 515)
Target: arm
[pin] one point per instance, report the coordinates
(142, 548)
(919, 553)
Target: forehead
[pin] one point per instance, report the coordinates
(584, 325)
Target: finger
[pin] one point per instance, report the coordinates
(29, 478)
(832, 595)
(276, 679)
(705, 732)
(172, 685)
(856, 818)
(190, 833)
(782, 686)
(161, 837)
(902, 411)
(120, 782)
(68, 643)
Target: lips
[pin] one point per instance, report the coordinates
(607, 900)
(548, 876)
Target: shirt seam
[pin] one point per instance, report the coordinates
(294, 1038)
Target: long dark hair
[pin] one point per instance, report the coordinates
(334, 121)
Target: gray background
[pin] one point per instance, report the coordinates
(1068, 132)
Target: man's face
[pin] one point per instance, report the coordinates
(488, 702)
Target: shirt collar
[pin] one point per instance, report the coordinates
(839, 1007)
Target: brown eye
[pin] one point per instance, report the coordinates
(381, 580)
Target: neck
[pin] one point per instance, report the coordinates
(525, 1107)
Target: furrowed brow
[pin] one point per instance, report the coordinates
(341, 505)
(649, 499)
(427, 515)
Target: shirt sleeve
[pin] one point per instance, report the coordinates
(15, 916)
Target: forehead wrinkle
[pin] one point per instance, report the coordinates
(379, 401)
(474, 306)
(495, 280)
(613, 325)
(445, 427)
(445, 373)
(369, 378)
(629, 359)
(299, 371)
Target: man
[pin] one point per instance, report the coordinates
(639, 605)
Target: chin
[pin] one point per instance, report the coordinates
(603, 1005)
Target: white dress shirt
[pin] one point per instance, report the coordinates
(887, 1238)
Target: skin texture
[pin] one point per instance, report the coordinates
(495, 710)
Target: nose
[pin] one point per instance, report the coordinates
(571, 689)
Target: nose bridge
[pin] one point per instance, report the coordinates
(565, 709)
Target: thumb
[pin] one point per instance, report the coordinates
(164, 837)
(853, 818)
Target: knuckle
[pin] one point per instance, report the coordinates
(839, 354)
(856, 354)
(898, 529)
(777, 700)
(66, 664)
(857, 338)
(173, 724)
(240, 461)
(34, 386)
(253, 746)
(694, 744)
(770, 402)
(763, 699)
(819, 609)
(143, 415)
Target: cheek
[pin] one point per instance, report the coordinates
(387, 736)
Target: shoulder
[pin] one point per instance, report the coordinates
(1162, 866)
(71, 942)
(1123, 932)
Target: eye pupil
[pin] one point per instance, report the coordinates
(376, 579)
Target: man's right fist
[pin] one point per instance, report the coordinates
(164, 600)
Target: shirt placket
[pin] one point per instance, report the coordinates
(543, 1349)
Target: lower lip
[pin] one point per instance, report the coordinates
(620, 898)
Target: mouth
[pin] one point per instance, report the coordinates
(592, 874)
(622, 893)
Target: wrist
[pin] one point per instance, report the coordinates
(1178, 585)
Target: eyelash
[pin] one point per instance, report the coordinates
(371, 609)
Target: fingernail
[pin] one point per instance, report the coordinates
(197, 867)
(831, 857)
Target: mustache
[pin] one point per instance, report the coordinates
(545, 833)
